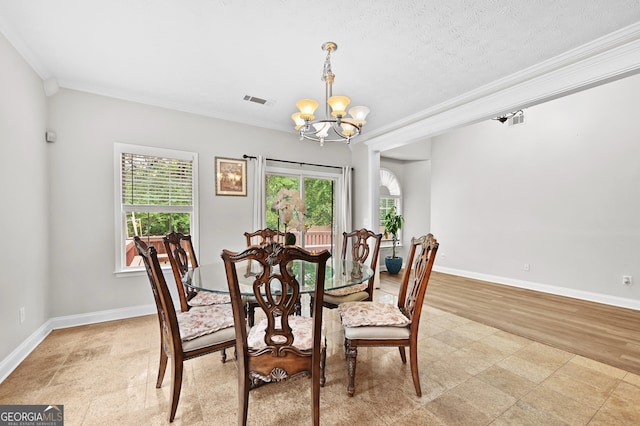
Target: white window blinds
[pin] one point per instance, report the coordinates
(156, 181)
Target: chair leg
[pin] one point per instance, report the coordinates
(224, 356)
(403, 356)
(243, 399)
(176, 386)
(352, 353)
(315, 394)
(298, 307)
(162, 368)
(323, 360)
(413, 354)
(251, 314)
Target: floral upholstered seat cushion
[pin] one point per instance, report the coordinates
(360, 314)
(347, 290)
(204, 320)
(205, 298)
(302, 328)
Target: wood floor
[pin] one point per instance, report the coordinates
(601, 332)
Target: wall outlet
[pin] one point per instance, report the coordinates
(627, 280)
(526, 267)
(23, 314)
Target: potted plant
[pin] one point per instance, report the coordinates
(392, 224)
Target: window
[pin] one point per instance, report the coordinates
(390, 196)
(319, 190)
(155, 194)
(315, 230)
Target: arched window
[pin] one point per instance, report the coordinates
(390, 196)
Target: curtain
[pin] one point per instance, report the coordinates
(259, 193)
(345, 213)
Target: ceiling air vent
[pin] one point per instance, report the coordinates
(254, 99)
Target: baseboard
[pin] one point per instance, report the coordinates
(620, 302)
(23, 350)
(101, 316)
(18, 355)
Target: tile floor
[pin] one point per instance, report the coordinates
(471, 374)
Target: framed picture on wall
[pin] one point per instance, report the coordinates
(231, 176)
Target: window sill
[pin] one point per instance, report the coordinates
(389, 244)
(137, 272)
(129, 273)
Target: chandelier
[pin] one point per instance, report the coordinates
(336, 126)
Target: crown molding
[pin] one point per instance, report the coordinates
(27, 54)
(606, 59)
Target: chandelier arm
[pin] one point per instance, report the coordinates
(306, 132)
(335, 126)
(314, 138)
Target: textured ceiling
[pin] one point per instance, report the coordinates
(203, 56)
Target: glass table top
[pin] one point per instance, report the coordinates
(339, 273)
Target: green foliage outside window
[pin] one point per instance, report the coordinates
(318, 196)
(158, 223)
(273, 185)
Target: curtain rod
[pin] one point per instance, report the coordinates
(251, 157)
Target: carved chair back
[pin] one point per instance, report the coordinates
(259, 238)
(364, 244)
(182, 255)
(415, 280)
(264, 236)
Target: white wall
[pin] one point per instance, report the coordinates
(24, 280)
(560, 193)
(366, 165)
(82, 207)
(415, 183)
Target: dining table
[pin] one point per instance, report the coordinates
(339, 273)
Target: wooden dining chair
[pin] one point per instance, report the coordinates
(183, 335)
(281, 345)
(361, 245)
(384, 324)
(260, 238)
(182, 258)
(264, 236)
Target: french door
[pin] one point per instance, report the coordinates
(317, 227)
